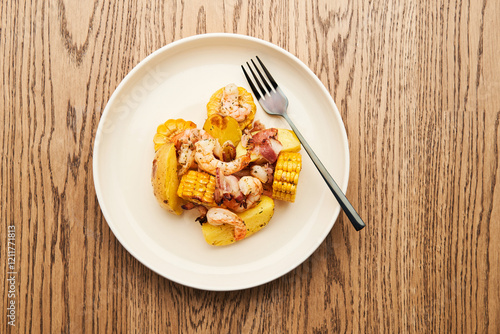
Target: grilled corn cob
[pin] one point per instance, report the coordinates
(197, 187)
(244, 97)
(286, 176)
(169, 129)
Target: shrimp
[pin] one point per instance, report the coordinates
(230, 106)
(263, 173)
(189, 136)
(184, 143)
(185, 158)
(251, 188)
(219, 216)
(237, 195)
(207, 161)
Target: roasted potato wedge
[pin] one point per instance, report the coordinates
(255, 219)
(165, 180)
(223, 128)
(289, 140)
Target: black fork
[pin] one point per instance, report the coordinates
(274, 102)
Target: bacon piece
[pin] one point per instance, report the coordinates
(188, 206)
(261, 136)
(266, 144)
(269, 149)
(226, 188)
(228, 151)
(203, 214)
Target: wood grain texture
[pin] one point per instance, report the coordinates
(417, 84)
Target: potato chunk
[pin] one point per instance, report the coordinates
(223, 128)
(289, 140)
(165, 180)
(255, 219)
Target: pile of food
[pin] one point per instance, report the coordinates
(231, 170)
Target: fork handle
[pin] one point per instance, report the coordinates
(349, 210)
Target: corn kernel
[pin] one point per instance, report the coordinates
(197, 187)
(286, 176)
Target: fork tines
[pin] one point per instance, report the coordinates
(263, 80)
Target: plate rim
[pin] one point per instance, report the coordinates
(144, 62)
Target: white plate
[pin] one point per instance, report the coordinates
(177, 81)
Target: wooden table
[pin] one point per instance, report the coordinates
(418, 87)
